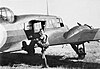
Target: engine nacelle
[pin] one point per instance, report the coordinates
(74, 31)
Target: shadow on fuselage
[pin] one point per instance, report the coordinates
(35, 60)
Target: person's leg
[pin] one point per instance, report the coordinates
(44, 60)
(30, 47)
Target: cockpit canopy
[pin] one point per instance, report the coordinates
(6, 14)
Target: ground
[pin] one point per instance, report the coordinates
(58, 57)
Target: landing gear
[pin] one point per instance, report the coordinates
(80, 51)
(30, 49)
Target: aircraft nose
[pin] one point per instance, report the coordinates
(3, 35)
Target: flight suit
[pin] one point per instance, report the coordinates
(43, 43)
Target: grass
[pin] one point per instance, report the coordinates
(58, 57)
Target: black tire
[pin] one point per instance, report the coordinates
(81, 53)
(81, 56)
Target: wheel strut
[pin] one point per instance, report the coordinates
(80, 51)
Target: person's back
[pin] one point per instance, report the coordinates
(43, 38)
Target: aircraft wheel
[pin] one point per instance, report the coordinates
(81, 54)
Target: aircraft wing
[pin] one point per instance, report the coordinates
(89, 35)
(78, 35)
(82, 34)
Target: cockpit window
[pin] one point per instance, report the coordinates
(6, 14)
(60, 21)
(49, 23)
(54, 23)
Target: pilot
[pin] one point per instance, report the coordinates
(43, 43)
(43, 38)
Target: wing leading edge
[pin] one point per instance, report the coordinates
(80, 34)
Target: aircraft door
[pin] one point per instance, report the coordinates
(32, 28)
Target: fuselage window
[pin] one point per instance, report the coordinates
(49, 24)
(52, 23)
(55, 24)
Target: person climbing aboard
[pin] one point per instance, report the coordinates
(43, 43)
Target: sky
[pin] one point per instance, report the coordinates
(71, 11)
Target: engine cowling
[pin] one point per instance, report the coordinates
(74, 31)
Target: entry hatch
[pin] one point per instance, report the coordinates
(32, 28)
